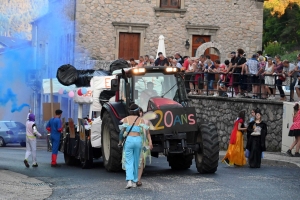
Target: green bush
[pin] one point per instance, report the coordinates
(292, 57)
(273, 49)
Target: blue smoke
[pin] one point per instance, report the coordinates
(12, 97)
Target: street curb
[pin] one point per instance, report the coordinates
(271, 161)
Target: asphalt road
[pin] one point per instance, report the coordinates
(280, 181)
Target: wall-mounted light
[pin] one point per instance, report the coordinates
(187, 44)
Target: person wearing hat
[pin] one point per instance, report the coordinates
(256, 140)
(54, 126)
(134, 128)
(31, 134)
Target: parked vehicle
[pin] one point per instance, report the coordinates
(12, 132)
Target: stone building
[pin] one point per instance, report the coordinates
(112, 29)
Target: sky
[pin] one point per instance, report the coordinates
(16, 91)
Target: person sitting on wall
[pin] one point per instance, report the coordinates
(147, 94)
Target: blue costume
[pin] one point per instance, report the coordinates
(132, 149)
(55, 127)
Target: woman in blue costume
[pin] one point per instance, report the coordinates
(134, 127)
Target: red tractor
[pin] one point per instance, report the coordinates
(177, 133)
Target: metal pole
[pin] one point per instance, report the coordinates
(51, 97)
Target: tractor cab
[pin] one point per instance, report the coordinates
(142, 85)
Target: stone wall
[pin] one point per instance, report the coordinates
(232, 24)
(224, 111)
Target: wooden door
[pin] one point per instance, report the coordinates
(198, 40)
(129, 45)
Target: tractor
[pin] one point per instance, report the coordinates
(177, 133)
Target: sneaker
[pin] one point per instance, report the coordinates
(35, 165)
(226, 161)
(26, 163)
(129, 185)
(133, 184)
(289, 153)
(216, 95)
(297, 154)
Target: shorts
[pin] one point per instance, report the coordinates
(255, 80)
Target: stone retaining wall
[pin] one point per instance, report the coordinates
(223, 112)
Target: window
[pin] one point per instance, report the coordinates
(170, 3)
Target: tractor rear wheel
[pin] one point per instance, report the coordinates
(69, 160)
(178, 162)
(111, 154)
(207, 157)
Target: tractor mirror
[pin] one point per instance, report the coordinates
(136, 94)
(114, 85)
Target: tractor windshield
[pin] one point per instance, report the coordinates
(153, 85)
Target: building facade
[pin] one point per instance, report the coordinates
(112, 29)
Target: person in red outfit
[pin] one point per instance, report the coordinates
(54, 126)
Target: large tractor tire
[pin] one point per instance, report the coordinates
(111, 154)
(179, 162)
(207, 157)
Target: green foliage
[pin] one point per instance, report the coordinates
(292, 57)
(283, 28)
(273, 48)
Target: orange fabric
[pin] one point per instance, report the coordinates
(234, 131)
(235, 152)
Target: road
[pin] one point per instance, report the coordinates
(280, 181)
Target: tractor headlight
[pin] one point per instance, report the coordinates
(139, 70)
(171, 69)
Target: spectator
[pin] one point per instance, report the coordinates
(261, 69)
(238, 80)
(221, 82)
(234, 78)
(269, 79)
(252, 68)
(151, 61)
(161, 60)
(278, 68)
(291, 72)
(141, 63)
(295, 132)
(298, 85)
(198, 69)
(175, 63)
(191, 78)
(133, 63)
(185, 63)
(146, 61)
(170, 60)
(211, 69)
(203, 66)
(179, 58)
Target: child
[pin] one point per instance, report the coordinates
(31, 133)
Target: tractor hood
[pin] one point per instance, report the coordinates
(163, 103)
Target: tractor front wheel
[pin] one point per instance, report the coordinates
(207, 157)
(111, 154)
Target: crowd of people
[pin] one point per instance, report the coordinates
(236, 77)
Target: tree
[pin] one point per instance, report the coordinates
(278, 7)
(283, 28)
